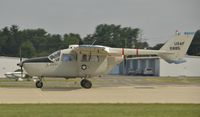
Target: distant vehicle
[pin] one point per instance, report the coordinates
(17, 75)
(148, 72)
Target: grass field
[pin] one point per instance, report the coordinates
(99, 110)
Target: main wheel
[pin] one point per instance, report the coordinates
(86, 84)
(39, 84)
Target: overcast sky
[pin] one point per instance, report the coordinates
(158, 19)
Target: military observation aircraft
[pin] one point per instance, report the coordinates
(87, 61)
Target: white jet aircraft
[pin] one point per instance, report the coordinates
(87, 61)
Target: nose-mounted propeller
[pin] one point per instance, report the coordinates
(20, 64)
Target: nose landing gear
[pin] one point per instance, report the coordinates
(86, 84)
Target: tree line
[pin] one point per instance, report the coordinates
(193, 50)
(38, 42)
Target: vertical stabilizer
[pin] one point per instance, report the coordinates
(177, 48)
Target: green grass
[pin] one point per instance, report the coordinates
(99, 110)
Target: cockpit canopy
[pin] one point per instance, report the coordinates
(55, 56)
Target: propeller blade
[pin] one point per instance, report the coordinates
(21, 69)
(21, 72)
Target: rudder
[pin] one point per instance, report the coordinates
(177, 48)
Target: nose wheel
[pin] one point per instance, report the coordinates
(39, 84)
(86, 84)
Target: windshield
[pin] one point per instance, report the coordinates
(55, 56)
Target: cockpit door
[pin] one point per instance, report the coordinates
(68, 65)
(92, 60)
(91, 65)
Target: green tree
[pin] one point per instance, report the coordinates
(70, 39)
(113, 36)
(36, 36)
(53, 43)
(37, 42)
(10, 40)
(4, 35)
(157, 46)
(194, 48)
(141, 45)
(28, 49)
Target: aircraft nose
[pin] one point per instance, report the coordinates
(20, 64)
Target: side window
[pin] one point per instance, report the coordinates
(94, 58)
(90, 58)
(84, 58)
(67, 57)
(101, 58)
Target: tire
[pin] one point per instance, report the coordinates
(39, 84)
(83, 82)
(86, 84)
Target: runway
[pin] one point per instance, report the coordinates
(116, 94)
(107, 89)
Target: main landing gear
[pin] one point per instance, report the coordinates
(39, 83)
(86, 83)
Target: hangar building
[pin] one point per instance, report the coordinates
(8, 64)
(158, 67)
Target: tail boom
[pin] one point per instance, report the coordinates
(173, 51)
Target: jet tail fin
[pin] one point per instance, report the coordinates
(176, 49)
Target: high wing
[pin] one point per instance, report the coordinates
(91, 49)
(173, 51)
(104, 50)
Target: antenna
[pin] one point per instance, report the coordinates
(93, 42)
(90, 49)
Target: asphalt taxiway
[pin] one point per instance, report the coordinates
(124, 92)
